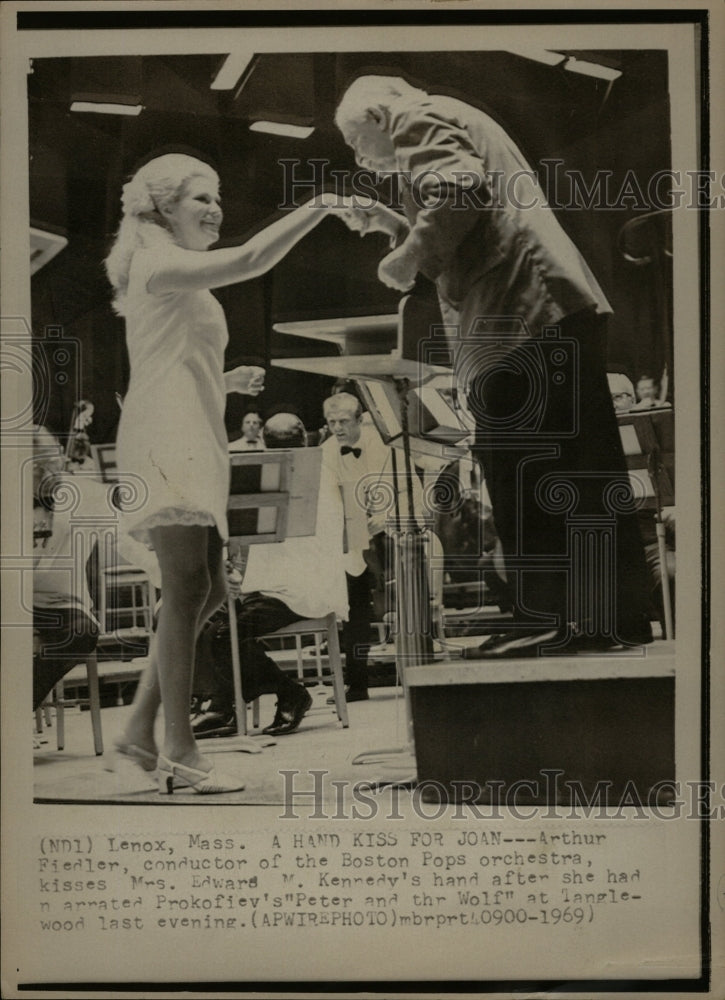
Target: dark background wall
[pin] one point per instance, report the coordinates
(78, 163)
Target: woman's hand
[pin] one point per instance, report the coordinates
(398, 270)
(246, 379)
(360, 213)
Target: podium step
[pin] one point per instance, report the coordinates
(603, 725)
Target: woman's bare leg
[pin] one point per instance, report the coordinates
(185, 586)
(140, 728)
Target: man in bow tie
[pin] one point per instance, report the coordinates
(362, 466)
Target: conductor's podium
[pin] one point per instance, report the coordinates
(552, 730)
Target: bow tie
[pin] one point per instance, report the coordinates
(347, 450)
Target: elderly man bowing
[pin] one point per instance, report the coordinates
(528, 321)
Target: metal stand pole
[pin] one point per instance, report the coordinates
(241, 742)
(654, 465)
(413, 640)
(664, 578)
(240, 708)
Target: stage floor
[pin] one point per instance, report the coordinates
(75, 774)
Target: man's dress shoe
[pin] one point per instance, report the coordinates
(527, 643)
(532, 642)
(290, 711)
(207, 725)
(199, 705)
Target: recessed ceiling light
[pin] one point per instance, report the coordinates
(540, 55)
(107, 104)
(231, 70)
(592, 69)
(283, 128)
(44, 246)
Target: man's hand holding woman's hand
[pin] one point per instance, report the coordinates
(362, 214)
(367, 215)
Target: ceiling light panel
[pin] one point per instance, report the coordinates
(592, 69)
(539, 55)
(283, 128)
(231, 70)
(101, 108)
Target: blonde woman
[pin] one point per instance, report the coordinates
(172, 430)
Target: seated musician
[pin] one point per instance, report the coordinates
(283, 582)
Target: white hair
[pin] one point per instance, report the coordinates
(371, 93)
(155, 186)
(342, 402)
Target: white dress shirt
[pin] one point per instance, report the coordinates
(369, 484)
(306, 573)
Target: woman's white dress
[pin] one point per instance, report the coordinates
(171, 448)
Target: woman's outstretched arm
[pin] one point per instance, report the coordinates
(189, 270)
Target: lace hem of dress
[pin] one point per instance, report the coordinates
(171, 516)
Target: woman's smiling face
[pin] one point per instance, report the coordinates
(196, 217)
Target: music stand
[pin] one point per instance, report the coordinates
(273, 496)
(413, 639)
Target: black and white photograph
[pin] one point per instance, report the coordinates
(359, 376)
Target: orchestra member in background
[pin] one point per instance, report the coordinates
(622, 391)
(479, 226)
(81, 458)
(647, 393)
(251, 438)
(78, 454)
(172, 432)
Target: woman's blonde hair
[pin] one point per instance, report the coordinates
(155, 186)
